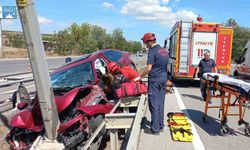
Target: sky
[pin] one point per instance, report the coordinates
(134, 17)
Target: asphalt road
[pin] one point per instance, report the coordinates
(6, 92)
(209, 134)
(8, 66)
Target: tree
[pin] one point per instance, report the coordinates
(87, 44)
(98, 35)
(136, 46)
(75, 36)
(17, 41)
(109, 42)
(133, 46)
(241, 36)
(118, 39)
(231, 23)
(87, 38)
(63, 44)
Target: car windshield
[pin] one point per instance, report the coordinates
(73, 77)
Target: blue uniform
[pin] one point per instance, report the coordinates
(158, 58)
(205, 66)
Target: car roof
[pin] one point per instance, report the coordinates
(83, 59)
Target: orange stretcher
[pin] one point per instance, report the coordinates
(226, 92)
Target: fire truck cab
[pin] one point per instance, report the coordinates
(189, 40)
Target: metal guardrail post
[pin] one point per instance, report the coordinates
(91, 139)
(135, 131)
(114, 139)
(116, 121)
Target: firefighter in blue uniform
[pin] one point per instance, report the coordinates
(156, 69)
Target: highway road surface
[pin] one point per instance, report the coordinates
(207, 136)
(22, 64)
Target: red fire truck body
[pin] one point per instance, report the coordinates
(189, 41)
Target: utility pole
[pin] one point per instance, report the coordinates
(1, 43)
(32, 34)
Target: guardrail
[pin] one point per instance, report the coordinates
(130, 122)
(135, 130)
(15, 78)
(13, 74)
(91, 139)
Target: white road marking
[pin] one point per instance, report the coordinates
(197, 143)
(11, 91)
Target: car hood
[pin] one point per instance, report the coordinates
(65, 100)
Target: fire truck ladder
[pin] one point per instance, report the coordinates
(184, 47)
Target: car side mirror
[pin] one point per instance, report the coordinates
(165, 43)
(23, 94)
(238, 60)
(22, 105)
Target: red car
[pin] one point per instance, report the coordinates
(81, 103)
(92, 63)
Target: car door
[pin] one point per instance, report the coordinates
(241, 67)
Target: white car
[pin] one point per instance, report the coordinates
(243, 63)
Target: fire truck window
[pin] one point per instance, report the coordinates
(172, 46)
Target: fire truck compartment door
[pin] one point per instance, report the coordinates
(203, 42)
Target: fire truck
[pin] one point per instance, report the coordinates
(189, 41)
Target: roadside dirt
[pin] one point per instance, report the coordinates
(3, 143)
(10, 52)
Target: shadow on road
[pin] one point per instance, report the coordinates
(212, 125)
(4, 121)
(145, 123)
(187, 83)
(192, 96)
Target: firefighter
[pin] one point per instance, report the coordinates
(206, 65)
(156, 69)
(126, 71)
